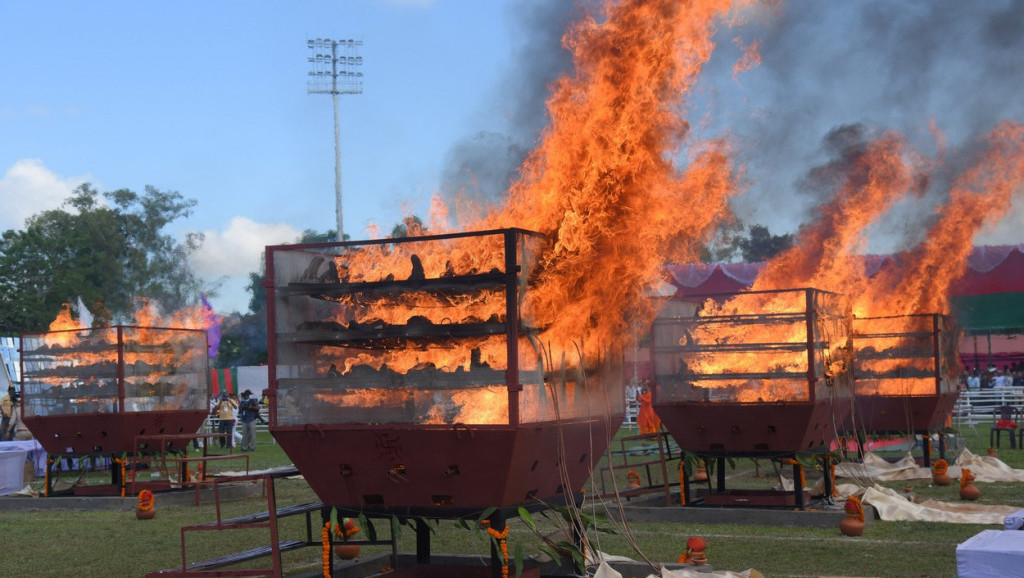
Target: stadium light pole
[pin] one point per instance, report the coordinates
(335, 71)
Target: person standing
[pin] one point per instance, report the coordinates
(225, 410)
(6, 410)
(248, 413)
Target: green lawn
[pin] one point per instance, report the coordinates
(113, 543)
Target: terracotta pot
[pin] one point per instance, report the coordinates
(346, 551)
(992, 452)
(145, 514)
(851, 525)
(941, 479)
(969, 492)
(701, 475)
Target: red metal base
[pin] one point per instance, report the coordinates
(110, 433)
(752, 429)
(894, 413)
(445, 470)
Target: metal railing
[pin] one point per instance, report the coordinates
(977, 406)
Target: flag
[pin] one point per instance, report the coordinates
(84, 316)
(211, 323)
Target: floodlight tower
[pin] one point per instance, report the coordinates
(335, 65)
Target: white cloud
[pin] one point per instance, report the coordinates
(236, 251)
(28, 188)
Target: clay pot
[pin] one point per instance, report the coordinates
(346, 551)
(695, 547)
(992, 452)
(851, 525)
(941, 479)
(702, 473)
(969, 491)
(145, 514)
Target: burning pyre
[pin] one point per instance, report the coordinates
(89, 390)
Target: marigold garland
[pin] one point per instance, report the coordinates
(502, 538)
(682, 481)
(325, 539)
(939, 467)
(346, 529)
(123, 463)
(146, 500)
(854, 505)
(966, 477)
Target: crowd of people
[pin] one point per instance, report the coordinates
(245, 411)
(993, 376)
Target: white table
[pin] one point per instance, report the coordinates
(991, 554)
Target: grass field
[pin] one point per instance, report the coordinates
(113, 543)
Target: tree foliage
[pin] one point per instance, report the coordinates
(761, 245)
(105, 253)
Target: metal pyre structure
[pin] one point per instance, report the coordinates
(94, 392)
(407, 377)
(905, 374)
(755, 374)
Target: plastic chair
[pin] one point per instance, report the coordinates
(1005, 418)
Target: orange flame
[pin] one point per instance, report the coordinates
(601, 184)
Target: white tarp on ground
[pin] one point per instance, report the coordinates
(984, 468)
(606, 571)
(891, 505)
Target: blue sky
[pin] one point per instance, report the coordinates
(209, 99)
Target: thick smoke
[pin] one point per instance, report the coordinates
(919, 67)
(481, 166)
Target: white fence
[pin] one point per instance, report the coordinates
(977, 406)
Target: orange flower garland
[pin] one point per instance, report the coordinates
(966, 477)
(502, 538)
(146, 500)
(940, 467)
(682, 479)
(325, 539)
(854, 506)
(633, 479)
(122, 462)
(346, 529)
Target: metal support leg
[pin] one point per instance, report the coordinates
(926, 441)
(684, 483)
(826, 469)
(720, 475)
(497, 520)
(422, 542)
(798, 490)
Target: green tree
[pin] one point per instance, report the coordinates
(761, 245)
(107, 255)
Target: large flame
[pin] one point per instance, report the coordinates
(827, 252)
(602, 184)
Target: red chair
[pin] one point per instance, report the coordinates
(1005, 418)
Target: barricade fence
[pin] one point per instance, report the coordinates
(977, 406)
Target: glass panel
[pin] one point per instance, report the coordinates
(411, 330)
(898, 355)
(747, 347)
(76, 372)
